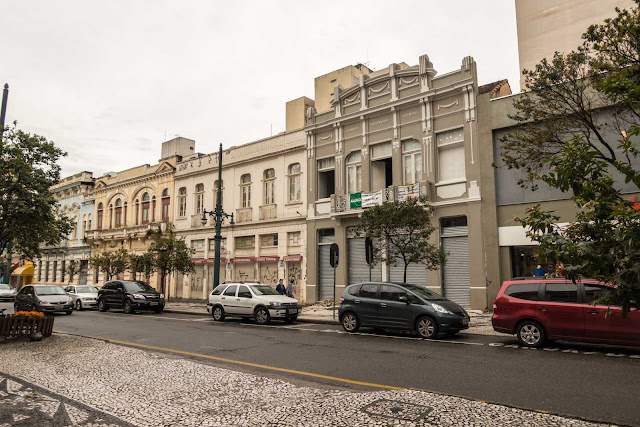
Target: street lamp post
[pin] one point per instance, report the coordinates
(219, 215)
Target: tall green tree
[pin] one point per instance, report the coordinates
(144, 263)
(401, 231)
(29, 215)
(171, 254)
(575, 102)
(112, 263)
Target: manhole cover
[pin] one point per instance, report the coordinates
(396, 409)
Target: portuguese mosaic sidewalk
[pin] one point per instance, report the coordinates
(68, 381)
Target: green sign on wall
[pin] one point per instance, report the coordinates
(355, 200)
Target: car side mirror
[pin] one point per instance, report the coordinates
(120, 290)
(403, 298)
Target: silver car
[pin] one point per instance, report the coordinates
(82, 296)
(45, 298)
(7, 293)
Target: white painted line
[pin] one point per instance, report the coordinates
(591, 352)
(635, 356)
(616, 354)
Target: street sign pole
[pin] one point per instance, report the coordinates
(334, 256)
(368, 249)
(3, 113)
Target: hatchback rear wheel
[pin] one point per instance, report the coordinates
(531, 334)
(427, 327)
(350, 322)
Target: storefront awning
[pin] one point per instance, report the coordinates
(25, 270)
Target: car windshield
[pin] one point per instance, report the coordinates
(138, 286)
(263, 290)
(423, 293)
(5, 288)
(49, 290)
(87, 289)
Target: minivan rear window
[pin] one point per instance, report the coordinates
(524, 291)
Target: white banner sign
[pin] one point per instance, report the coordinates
(406, 192)
(371, 199)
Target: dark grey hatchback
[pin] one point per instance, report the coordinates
(400, 306)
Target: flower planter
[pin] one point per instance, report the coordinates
(13, 327)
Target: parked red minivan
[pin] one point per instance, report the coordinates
(538, 309)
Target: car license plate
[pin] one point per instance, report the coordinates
(292, 311)
(154, 303)
(465, 321)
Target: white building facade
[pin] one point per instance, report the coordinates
(263, 185)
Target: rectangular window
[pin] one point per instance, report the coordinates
(561, 292)
(62, 270)
(326, 235)
(55, 270)
(246, 242)
(223, 247)
(525, 291)
(381, 151)
(165, 209)
(391, 293)
(269, 240)
(369, 290)
(451, 161)
(294, 238)
(326, 177)
(145, 212)
(246, 196)
(46, 272)
(182, 206)
(199, 203)
(198, 245)
(593, 291)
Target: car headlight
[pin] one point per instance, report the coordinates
(138, 296)
(272, 304)
(440, 309)
(161, 296)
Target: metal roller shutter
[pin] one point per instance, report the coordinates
(357, 263)
(325, 274)
(416, 273)
(456, 274)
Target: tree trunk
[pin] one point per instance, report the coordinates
(405, 273)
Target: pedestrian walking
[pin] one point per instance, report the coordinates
(280, 288)
(290, 288)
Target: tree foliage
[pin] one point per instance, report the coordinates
(29, 215)
(171, 254)
(144, 263)
(562, 141)
(403, 230)
(112, 263)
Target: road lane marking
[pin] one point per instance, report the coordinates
(255, 365)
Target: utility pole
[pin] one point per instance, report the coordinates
(3, 113)
(219, 216)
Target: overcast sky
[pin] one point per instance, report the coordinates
(107, 80)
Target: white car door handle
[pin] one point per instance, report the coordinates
(383, 304)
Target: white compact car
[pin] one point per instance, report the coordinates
(83, 296)
(261, 302)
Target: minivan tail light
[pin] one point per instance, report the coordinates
(341, 300)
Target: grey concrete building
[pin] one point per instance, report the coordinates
(394, 134)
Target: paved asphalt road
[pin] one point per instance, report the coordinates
(593, 382)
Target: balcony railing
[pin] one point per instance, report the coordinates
(268, 211)
(123, 232)
(244, 214)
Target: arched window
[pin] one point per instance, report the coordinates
(182, 202)
(118, 213)
(216, 185)
(137, 211)
(199, 198)
(88, 223)
(269, 186)
(412, 161)
(145, 208)
(111, 215)
(295, 187)
(100, 210)
(124, 216)
(166, 203)
(354, 172)
(74, 230)
(245, 186)
(153, 208)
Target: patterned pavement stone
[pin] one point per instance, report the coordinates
(71, 375)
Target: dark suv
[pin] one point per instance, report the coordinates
(537, 309)
(400, 306)
(130, 296)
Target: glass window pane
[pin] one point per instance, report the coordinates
(410, 145)
(561, 292)
(451, 136)
(417, 160)
(594, 292)
(525, 291)
(354, 157)
(379, 151)
(231, 290)
(391, 293)
(369, 290)
(451, 164)
(408, 178)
